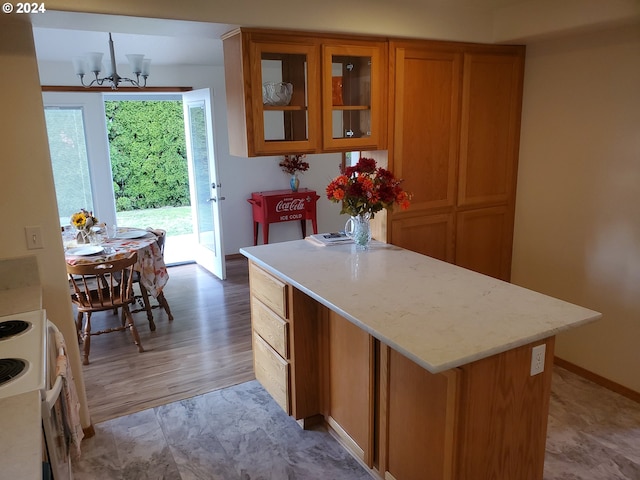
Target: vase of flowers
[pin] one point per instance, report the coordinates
(358, 228)
(84, 221)
(293, 164)
(364, 189)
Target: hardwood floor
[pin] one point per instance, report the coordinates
(206, 347)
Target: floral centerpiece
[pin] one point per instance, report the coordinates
(83, 221)
(364, 189)
(292, 164)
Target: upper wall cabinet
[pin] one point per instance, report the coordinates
(293, 93)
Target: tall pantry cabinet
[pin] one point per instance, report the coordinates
(454, 123)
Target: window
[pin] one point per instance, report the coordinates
(68, 149)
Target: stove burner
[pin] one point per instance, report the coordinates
(10, 368)
(12, 327)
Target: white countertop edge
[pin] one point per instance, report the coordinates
(433, 368)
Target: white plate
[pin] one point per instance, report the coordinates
(88, 250)
(132, 234)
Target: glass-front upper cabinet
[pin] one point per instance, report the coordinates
(285, 97)
(352, 96)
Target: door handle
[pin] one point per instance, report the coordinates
(214, 199)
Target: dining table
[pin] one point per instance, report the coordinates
(119, 244)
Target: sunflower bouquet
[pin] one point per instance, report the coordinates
(83, 220)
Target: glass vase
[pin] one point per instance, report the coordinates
(83, 237)
(294, 182)
(359, 229)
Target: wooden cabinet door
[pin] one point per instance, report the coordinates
(490, 129)
(431, 235)
(426, 124)
(484, 239)
(353, 96)
(351, 384)
(256, 126)
(295, 126)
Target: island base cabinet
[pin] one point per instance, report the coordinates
(483, 420)
(486, 420)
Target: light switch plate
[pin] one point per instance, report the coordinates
(33, 236)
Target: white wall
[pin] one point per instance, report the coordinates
(577, 232)
(238, 176)
(27, 196)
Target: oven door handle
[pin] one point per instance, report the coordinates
(51, 396)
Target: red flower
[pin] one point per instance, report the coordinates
(366, 188)
(294, 163)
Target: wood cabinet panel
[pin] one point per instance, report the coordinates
(272, 371)
(490, 130)
(503, 416)
(268, 289)
(273, 329)
(351, 384)
(431, 235)
(304, 333)
(456, 127)
(420, 420)
(484, 241)
(426, 124)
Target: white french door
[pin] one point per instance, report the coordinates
(203, 178)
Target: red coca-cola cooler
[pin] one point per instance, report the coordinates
(283, 206)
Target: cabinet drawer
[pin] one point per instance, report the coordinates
(273, 329)
(268, 289)
(272, 371)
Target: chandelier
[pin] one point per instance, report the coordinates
(92, 62)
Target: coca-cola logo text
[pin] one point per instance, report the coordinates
(291, 205)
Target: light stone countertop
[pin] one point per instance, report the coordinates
(439, 315)
(21, 299)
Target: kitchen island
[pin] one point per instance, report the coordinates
(423, 369)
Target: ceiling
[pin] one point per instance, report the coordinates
(59, 36)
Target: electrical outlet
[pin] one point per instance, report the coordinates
(537, 359)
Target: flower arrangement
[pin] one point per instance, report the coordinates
(83, 220)
(293, 164)
(366, 188)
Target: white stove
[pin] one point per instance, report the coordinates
(23, 339)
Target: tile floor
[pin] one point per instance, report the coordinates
(240, 433)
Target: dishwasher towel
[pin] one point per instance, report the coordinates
(71, 404)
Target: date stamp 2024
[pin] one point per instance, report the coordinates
(23, 8)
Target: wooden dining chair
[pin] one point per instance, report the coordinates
(144, 297)
(103, 286)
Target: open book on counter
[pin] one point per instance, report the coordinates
(331, 238)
